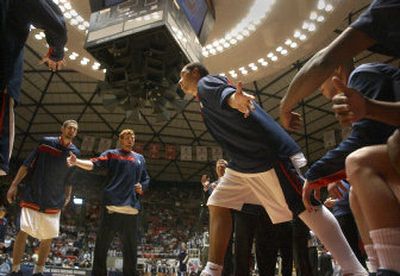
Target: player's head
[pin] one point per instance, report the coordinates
(69, 129)
(191, 73)
(127, 139)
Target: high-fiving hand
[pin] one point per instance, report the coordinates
(71, 160)
(242, 101)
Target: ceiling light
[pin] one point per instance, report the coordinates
(303, 37)
(86, 24)
(215, 43)
(279, 49)
(81, 27)
(231, 72)
(65, 49)
(209, 47)
(227, 45)
(288, 41)
(222, 74)
(104, 71)
(251, 27)
(73, 22)
(297, 34)
(220, 48)
(205, 53)
(239, 37)
(241, 68)
(312, 27)
(274, 58)
(80, 18)
(254, 68)
(305, 26)
(213, 51)
(73, 12)
(75, 54)
(252, 64)
(321, 5)
(246, 32)
(264, 63)
(293, 45)
(233, 41)
(261, 60)
(62, 9)
(321, 18)
(329, 8)
(270, 55)
(313, 15)
(244, 72)
(72, 57)
(67, 5)
(67, 15)
(284, 52)
(38, 37)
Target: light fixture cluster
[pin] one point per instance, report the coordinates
(248, 25)
(73, 17)
(299, 35)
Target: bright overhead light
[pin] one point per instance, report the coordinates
(312, 27)
(72, 57)
(246, 32)
(264, 63)
(220, 48)
(73, 22)
(288, 41)
(104, 71)
(227, 45)
(73, 12)
(231, 72)
(67, 5)
(65, 49)
(297, 34)
(260, 60)
(321, 5)
(321, 18)
(205, 53)
(303, 37)
(213, 51)
(254, 68)
(215, 43)
(241, 68)
(222, 74)
(305, 26)
(67, 15)
(293, 45)
(313, 15)
(233, 41)
(329, 8)
(274, 58)
(279, 49)
(270, 55)
(284, 52)
(81, 27)
(244, 72)
(239, 37)
(38, 37)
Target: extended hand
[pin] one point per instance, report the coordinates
(53, 65)
(139, 189)
(307, 192)
(12, 193)
(350, 105)
(71, 160)
(242, 101)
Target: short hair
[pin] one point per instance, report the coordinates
(125, 132)
(193, 65)
(69, 122)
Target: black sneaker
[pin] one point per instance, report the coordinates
(38, 274)
(385, 272)
(14, 273)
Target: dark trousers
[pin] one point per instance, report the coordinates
(350, 231)
(126, 227)
(301, 251)
(6, 129)
(268, 241)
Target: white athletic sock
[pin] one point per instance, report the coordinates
(373, 262)
(16, 268)
(327, 229)
(387, 246)
(38, 269)
(212, 269)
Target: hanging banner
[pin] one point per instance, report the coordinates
(170, 152)
(216, 153)
(139, 147)
(104, 144)
(201, 153)
(88, 143)
(154, 151)
(186, 153)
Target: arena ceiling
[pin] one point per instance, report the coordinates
(50, 98)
